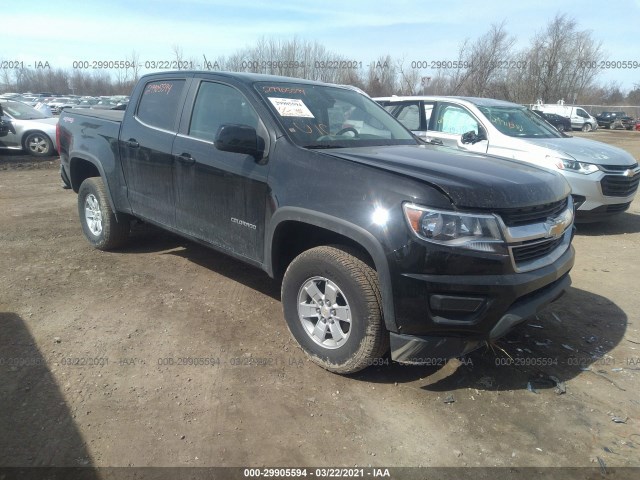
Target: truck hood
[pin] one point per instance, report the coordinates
(585, 150)
(471, 181)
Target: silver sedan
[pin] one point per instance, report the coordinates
(29, 129)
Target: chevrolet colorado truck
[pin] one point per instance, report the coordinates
(382, 243)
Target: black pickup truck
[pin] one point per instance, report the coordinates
(381, 242)
(615, 119)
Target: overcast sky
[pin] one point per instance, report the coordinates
(63, 31)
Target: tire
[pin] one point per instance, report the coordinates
(344, 331)
(38, 144)
(586, 127)
(98, 221)
(560, 128)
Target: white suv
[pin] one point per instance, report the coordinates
(603, 179)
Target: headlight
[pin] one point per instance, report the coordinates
(571, 165)
(475, 232)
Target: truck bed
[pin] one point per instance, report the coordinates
(112, 115)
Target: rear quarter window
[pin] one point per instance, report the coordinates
(409, 116)
(159, 103)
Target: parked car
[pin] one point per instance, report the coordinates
(28, 99)
(44, 109)
(615, 120)
(579, 117)
(382, 243)
(58, 104)
(29, 129)
(638, 125)
(104, 104)
(562, 124)
(604, 179)
(86, 103)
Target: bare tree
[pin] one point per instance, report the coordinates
(381, 77)
(481, 63)
(440, 84)
(6, 78)
(560, 64)
(456, 77)
(633, 97)
(178, 54)
(134, 66)
(410, 81)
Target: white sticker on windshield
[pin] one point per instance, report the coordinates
(291, 107)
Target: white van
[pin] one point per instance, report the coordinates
(580, 118)
(603, 178)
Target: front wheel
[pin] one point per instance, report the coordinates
(332, 306)
(38, 144)
(586, 127)
(98, 221)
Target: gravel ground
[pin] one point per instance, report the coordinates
(168, 354)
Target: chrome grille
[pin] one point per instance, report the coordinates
(535, 249)
(619, 185)
(513, 217)
(618, 168)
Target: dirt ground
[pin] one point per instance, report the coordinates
(168, 354)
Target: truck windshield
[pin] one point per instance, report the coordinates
(324, 116)
(519, 122)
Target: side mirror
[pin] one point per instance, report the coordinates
(472, 137)
(238, 139)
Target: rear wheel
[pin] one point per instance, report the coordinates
(332, 306)
(98, 221)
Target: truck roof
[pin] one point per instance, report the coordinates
(244, 77)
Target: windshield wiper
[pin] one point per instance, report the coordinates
(324, 146)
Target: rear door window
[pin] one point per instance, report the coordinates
(409, 116)
(159, 103)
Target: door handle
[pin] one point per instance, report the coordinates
(186, 158)
(132, 143)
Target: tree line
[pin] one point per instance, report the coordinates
(561, 62)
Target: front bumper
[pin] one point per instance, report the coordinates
(473, 309)
(597, 195)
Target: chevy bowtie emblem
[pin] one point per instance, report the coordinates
(630, 173)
